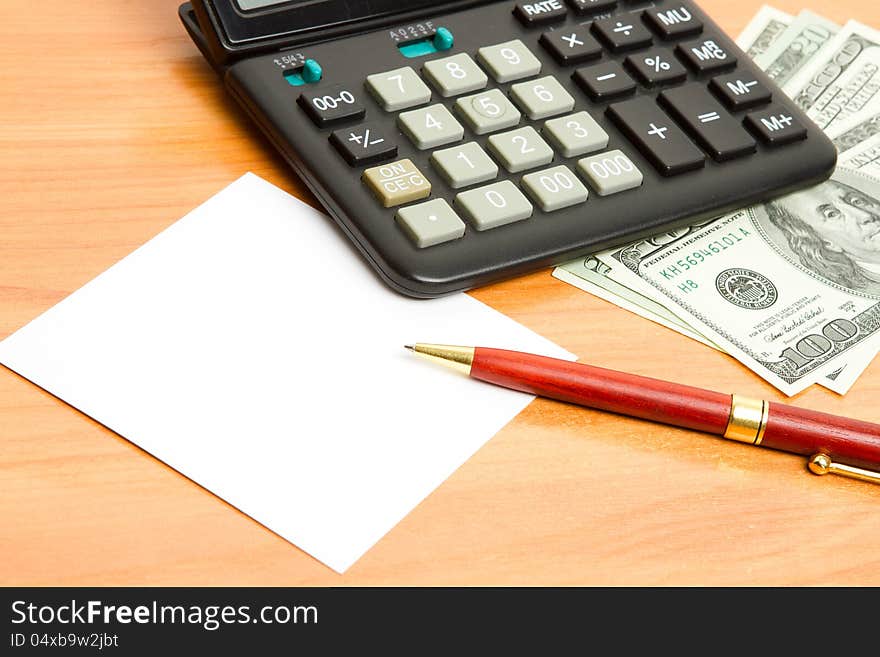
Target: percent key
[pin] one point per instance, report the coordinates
(656, 67)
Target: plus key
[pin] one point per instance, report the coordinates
(656, 136)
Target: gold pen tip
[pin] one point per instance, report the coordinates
(411, 347)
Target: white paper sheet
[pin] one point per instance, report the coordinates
(248, 347)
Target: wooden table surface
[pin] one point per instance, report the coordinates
(113, 127)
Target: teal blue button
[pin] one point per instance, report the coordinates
(311, 71)
(443, 39)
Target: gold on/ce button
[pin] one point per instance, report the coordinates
(397, 183)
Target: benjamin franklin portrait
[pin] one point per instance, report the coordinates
(831, 230)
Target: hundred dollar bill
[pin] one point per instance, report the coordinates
(791, 287)
(763, 30)
(843, 78)
(794, 48)
(589, 275)
(843, 378)
(595, 277)
(864, 157)
(854, 130)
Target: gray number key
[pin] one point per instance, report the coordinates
(494, 205)
(398, 89)
(510, 60)
(429, 127)
(575, 134)
(430, 223)
(455, 75)
(609, 173)
(542, 97)
(487, 112)
(520, 149)
(464, 165)
(554, 189)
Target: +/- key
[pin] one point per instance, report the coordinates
(657, 136)
(704, 117)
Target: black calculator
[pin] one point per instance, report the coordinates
(460, 143)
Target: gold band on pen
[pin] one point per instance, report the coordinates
(748, 420)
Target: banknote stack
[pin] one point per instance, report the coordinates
(790, 288)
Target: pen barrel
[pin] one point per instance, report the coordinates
(607, 390)
(803, 431)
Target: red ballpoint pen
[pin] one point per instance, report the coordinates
(834, 444)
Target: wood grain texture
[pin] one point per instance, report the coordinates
(113, 127)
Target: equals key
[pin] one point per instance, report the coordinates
(708, 122)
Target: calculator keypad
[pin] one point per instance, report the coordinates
(580, 107)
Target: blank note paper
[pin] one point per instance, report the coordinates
(249, 347)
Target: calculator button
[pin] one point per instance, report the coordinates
(656, 67)
(623, 32)
(673, 21)
(704, 117)
(554, 189)
(331, 105)
(494, 205)
(571, 45)
(363, 144)
(430, 223)
(775, 126)
(429, 127)
(740, 90)
(610, 173)
(520, 149)
(542, 98)
(464, 165)
(706, 55)
(649, 128)
(397, 183)
(455, 75)
(398, 89)
(604, 81)
(487, 112)
(591, 6)
(538, 13)
(509, 61)
(575, 134)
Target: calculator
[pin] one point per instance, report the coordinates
(461, 143)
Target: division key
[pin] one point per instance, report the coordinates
(657, 136)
